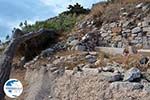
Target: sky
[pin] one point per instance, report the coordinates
(12, 12)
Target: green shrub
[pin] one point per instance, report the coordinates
(76, 9)
(63, 22)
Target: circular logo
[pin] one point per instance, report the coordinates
(13, 88)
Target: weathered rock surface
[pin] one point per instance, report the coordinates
(116, 77)
(133, 74)
(80, 48)
(84, 86)
(33, 47)
(47, 52)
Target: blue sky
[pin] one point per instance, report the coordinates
(12, 12)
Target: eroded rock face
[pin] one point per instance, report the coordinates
(50, 82)
(33, 47)
(42, 81)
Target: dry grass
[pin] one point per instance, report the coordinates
(132, 1)
(111, 13)
(105, 12)
(65, 53)
(73, 64)
(128, 61)
(108, 12)
(101, 59)
(97, 10)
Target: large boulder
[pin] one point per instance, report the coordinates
(132, 75)
(116, 77)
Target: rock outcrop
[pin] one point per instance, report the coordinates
(33, 47)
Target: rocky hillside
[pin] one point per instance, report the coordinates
(72, 68)
(116, 25)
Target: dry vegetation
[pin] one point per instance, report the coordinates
(108, 12)
(128, 62)
(98, 10)
(131, 1)
(71, 65)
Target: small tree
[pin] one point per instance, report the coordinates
(21, 24)
(112, 1)
(77, 9)
(25, 23)
(7, 37)
(14, 29)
